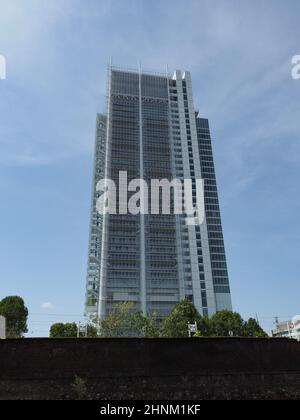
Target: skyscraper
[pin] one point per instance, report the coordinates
(151, 131)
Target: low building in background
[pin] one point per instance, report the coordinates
(289, 329)
(2, 328)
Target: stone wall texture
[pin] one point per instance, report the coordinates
(139, 369)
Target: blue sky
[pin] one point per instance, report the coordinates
(239, 54)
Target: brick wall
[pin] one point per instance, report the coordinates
(131, 368)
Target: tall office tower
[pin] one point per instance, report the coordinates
(151, 131)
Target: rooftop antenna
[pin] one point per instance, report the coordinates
(140, 67)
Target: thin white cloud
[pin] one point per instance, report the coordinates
(47, 305)
(24, 160)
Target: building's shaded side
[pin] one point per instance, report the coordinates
(213, 218)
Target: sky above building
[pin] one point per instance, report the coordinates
(239, 55)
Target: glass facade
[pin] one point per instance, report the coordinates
(153, 260)
(213, 217)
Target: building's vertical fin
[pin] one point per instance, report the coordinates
(191, 266)
(95, 228)
(203, 284)
(103, 265)
(142, 216)
(179, 251)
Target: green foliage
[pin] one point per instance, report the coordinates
(253, 329)
(117, 323)
(176, 323)
(204, 326)
(61, 330)
(123, 321)
(16, 314)
(91, 331)
(70, 330)
(144, 326)
(80, 389)
(227, 323)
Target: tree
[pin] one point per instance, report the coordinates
(81, 389)
(61, 330)
(123, 321)
(91, 331)
(226, 323)
(70, 330)
(176, 323)
(253, 329)
(117, 323)
(144, 326)
(14, 310)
